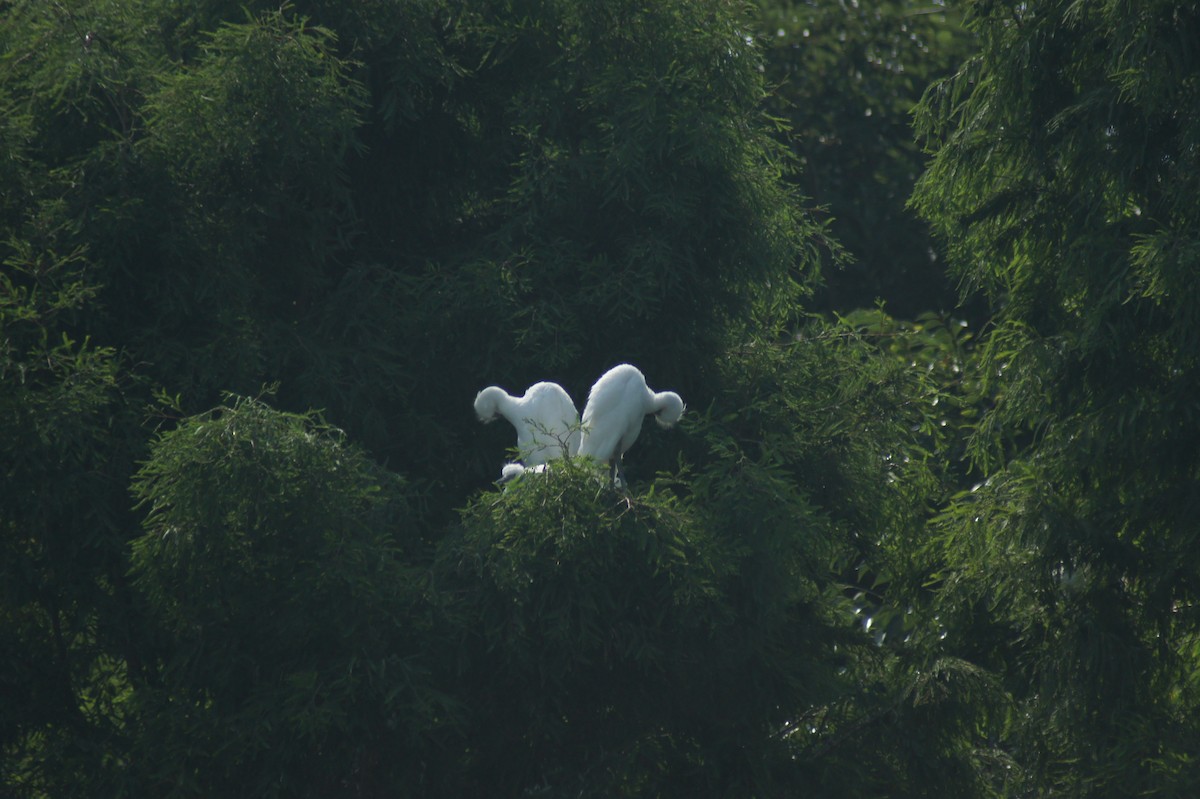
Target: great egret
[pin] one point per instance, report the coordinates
(545, 418)
(616, 405)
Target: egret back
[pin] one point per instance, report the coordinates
(547, 420)
(613, 416)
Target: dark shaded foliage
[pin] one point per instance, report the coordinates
(1064, 181)
(846, 76)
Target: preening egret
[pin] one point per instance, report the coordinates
(545, 418)
(615, 408)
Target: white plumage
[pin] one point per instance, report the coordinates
(512, 471)
(616, 405)
(545, 419)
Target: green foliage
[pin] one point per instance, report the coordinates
(60, 512)
(943, 348)
(819, 470)
(845, 76)
(237, 155)
(630, 194)
(590, 623)
(1064, 180)
(298, 195)
(248, 150)
(873, 559)
(273, 560)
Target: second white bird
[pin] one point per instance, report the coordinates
(616, 405)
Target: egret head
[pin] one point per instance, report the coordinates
(668, 408)
(487, 403)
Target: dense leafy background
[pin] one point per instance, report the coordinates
(258, 258)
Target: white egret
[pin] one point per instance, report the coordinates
(612, 418)
(512, 471)
(545, 418)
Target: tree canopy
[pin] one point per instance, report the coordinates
(1064, 183)
(258, 258)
